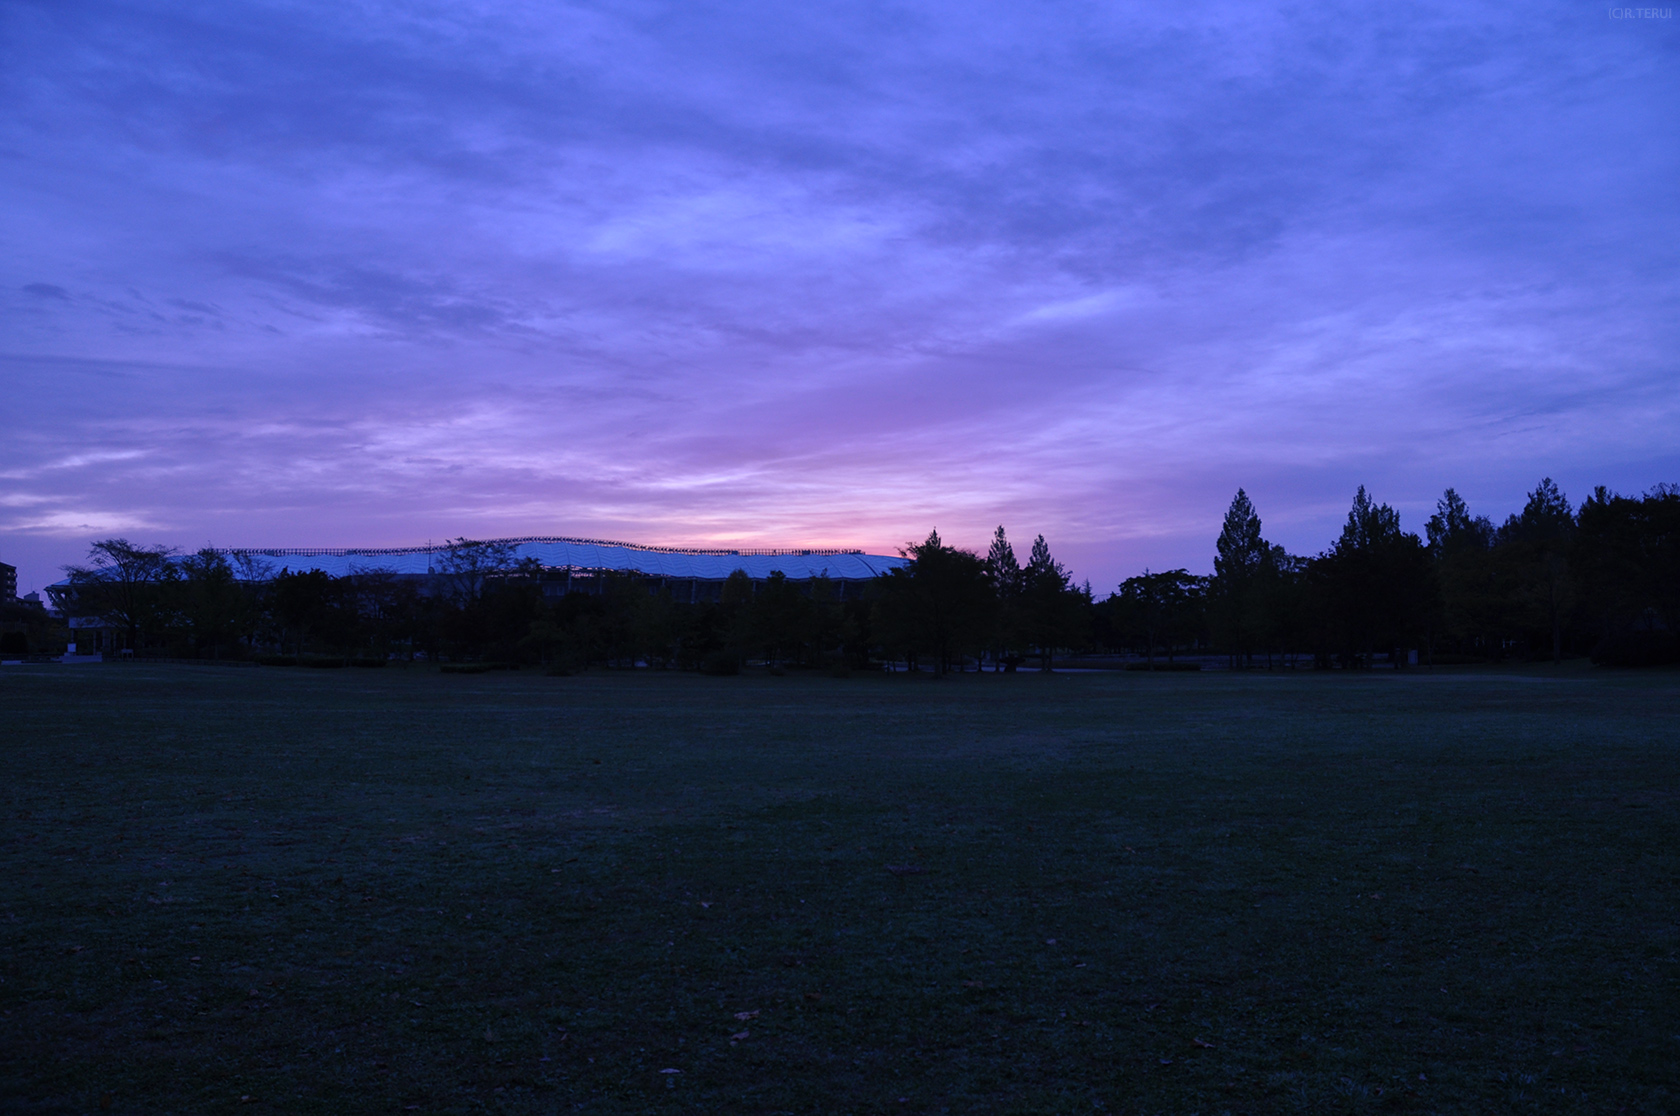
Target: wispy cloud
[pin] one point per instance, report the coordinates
(380, 273)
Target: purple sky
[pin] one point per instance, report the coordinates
(364, 274)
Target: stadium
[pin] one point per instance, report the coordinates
(562, 565)
(569, 565)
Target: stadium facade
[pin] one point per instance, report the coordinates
(562, 565)
(570, 565)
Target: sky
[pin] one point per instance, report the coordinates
(369, 274)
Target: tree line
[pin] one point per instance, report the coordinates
(943, 609)
(1550, 581)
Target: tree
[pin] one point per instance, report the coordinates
(1002, 569)
(1159, 607)
(940, 602)
(254, 576)
(1235, 602)
(121, 585)
(1282, 606)
(307, 603)
(1052, 611)
(779, 617)
(1626, 565)
(388, 610)
(1536, 543)
(211, 601)
(1005, 574)
(824, 622)
(466, 564)
(1378, 583)
(1461, 546)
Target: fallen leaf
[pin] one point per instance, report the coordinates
(740, 1036)
(1203, 1045)
(743, 1016)
(670, 1071)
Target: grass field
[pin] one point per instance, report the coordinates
(387, 891)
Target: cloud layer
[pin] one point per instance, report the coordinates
(312, 274)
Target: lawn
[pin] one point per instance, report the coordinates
(287, 890)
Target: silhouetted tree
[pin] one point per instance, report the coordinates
(1626, 561)
(1534, 545)
(1053, 612)
(779, 618)
(1235, 595)
(1462, 548)
(122, 585)
(1004, 572)
(824, 619)
(1377, 581)
(1282, 606)
(939, 603)
(211, 601)
(390, 613)
(467, 565)
(309, 603)
(1159, 608)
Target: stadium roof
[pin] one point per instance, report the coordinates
(680, 563)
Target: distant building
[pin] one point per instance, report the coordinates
(8, 583)
(561, 565)
(571, 565)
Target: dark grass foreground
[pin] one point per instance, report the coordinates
(389, 891)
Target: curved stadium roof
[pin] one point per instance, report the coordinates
(680, 563)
